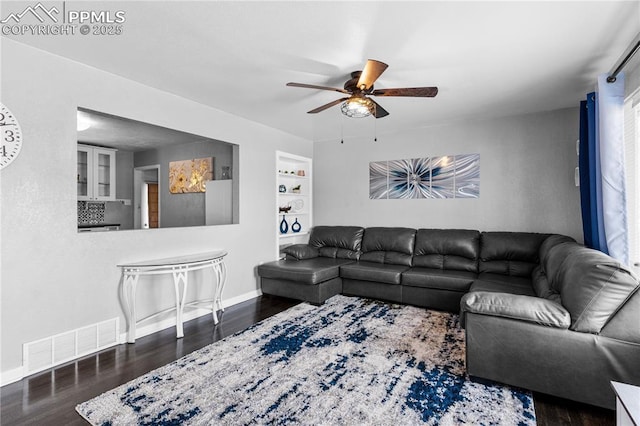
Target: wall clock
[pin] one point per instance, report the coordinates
(11, 137)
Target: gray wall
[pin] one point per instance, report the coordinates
(55, 279)
(184, 209)
(526, 176)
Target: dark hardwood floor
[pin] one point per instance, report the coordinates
(49, 398)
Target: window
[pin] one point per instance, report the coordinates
(632, 171)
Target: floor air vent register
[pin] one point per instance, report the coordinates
(64, 347)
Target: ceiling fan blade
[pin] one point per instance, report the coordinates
(372, 70)
(326, 106)
(418, 92)
(313, 86)
(378, 111)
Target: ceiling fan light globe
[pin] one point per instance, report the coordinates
(357, 107)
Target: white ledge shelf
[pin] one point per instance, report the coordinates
(289, 175)
(293, 234)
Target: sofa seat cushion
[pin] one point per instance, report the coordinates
(309, 271)
(523, 308)
(438, 278)
(372, 271)
(502, 287)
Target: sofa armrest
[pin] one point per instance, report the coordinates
(301, 251)
(517, 307)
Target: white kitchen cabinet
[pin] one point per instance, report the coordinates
(96, 173)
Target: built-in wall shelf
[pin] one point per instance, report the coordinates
(293, 190)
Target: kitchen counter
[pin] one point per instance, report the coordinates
(86, 227)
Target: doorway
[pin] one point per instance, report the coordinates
(146, 197)
(152, 202)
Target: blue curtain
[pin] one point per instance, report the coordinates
(601, 161)
(590, 188)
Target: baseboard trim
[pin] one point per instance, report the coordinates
(17, 374)
(242, 298)
(11, 376)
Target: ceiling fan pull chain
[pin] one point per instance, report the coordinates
(342, 129)
(375, 130)
(375, 122)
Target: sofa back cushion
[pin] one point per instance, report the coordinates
(553, 262)
(388, 245)
(451, 249)
(550, 242)
(510, 253)
(338, 242)
(300, 252)
(593, 287)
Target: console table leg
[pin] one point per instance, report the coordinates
(129, 283)
(180, 275)
(216, 283)
(222, 280)
(221, 273)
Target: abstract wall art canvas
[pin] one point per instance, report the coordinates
(410, 178)
(378, 179)
(431, 177)
(190, 175)
(467, 176)
(443, 172)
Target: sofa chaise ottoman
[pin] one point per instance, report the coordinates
(311, 271)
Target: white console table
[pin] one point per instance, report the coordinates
(179, 267)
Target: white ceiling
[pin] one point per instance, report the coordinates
(128, 135)
(487, 58)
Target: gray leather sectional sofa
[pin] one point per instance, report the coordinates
(540, 311)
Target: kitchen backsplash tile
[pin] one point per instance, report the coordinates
(90, 213)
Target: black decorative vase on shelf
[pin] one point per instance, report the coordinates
(295, 226)
(284, 226)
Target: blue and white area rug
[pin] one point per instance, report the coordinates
(349, 362)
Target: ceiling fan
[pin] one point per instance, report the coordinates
(360, 87)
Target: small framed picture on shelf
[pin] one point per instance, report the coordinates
(297, 205)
